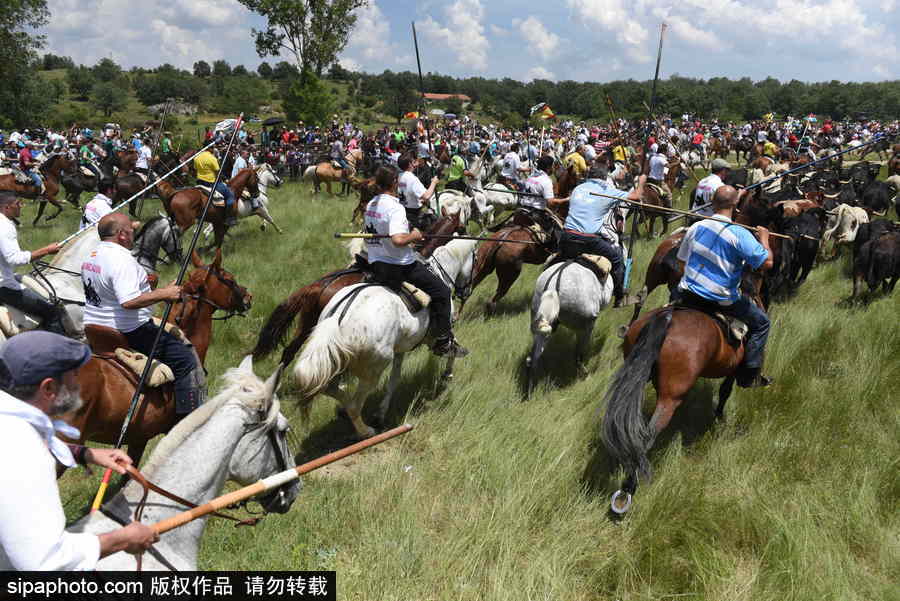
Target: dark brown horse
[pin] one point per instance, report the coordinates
(50, 171)
(107, 388)
(186, 205)
(673, 348)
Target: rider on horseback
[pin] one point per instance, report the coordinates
(587, 215)
(118, 296)
(393, 262)
(541, 197)
(459, 168)
(207, 166)
(714, 255)
(413, 194)
(12, 292)
(658, 164)
(86, 156)
(26, 164)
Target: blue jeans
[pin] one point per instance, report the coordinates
(178, 356)
(225, 191)
(341, 161)
(34, 177)
(743, 309)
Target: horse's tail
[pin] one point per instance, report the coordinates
(276, 327)
(547, 313)
(324, 356)
(626, 434)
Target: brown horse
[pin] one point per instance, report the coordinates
(309, 301)
(653, 196)
(326, 172)
(673, 348)
(50, 171)
(662, 269)
(186, 205)
(107, 389)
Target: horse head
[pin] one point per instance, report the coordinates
(267, 176)
(263, 450)
(217, 287)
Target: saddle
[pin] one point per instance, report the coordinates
(218, 199)
(659, 191)
(414, 298)
(110, 344)
(598, 264)
(734, 330)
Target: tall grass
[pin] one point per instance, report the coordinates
(794, 497)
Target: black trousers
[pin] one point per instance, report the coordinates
(421, 277)
(457, 184)
(573, 245)
(33, 303)
(177, 355)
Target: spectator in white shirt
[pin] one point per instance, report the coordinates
(39, 381)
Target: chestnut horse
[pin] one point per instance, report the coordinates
(107, 391)
(186, 205)
(309, 301)
(325, 172)
(673, 348)
(50, 171)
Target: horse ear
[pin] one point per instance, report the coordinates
(247, 364)
(217, 263)
(273, 382)
(195, 259)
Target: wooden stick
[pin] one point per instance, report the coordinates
(365, 236)
(274, 481)
(689, 214)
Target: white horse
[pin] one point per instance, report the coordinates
(238, 435)
(266, 177)
(569, 294)
(60, 280)
(376, 329)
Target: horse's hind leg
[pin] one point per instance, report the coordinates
(368, 379)
(532, 362)
(394, 379)
(506, 277)
(42, 204)
(724, 393)
(59, 209)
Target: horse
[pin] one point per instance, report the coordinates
(672, 347)
(662, 269)
(59, 281)
(653, 196)
(239, 435)
(186, 205)
(326, 172)
(50, 171)
(75, 182)
(372, 330)
(570, 294)
(107, 390)
(743, 146)
(157, 233)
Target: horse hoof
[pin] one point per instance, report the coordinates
(618, 505)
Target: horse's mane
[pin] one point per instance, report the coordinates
(146, 227)
(239, 386)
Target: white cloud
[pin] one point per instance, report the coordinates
(540, 40)
(539, 73)
(614, 16)
(463, 33)
(694, 36)
(495, 30)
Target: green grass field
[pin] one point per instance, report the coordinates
(795, 497)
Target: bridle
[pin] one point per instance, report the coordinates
(462, 292)
(230, 312)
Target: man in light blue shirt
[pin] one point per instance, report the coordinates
(239, 163)
(715, 252)
(586, 218)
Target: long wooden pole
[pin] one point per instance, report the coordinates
(365, 236)
(136, 398)
(690, 214)
(274, 481)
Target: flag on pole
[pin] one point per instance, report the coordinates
(537, 108)
(546, 112)
(411, 115)
(226, 126)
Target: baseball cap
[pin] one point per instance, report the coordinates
(720, 164)
(30, 357)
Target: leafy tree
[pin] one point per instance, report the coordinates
(108, 97)
(202, 69)
(106, 70)
(23, 97)
(57, 89)
(307, 99)
(221, 68)
(285, 70)
(313, 31)
(239, 70)
(153, 89)
(399, 102)
(81, 81)
(338, 73)
(454, 105)
(265, 70)
(51, 61)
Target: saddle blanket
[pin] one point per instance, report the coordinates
(21, 176)
(160, 373)
(598, 264)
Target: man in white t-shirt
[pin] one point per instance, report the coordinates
(145, 155)
(658, 164)
(392, 261)
(512, 169)
(100, 205)
(118, 295)
(707, 186)
(412, 193)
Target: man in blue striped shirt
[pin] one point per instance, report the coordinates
(714, 252)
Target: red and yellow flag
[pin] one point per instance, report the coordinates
(546, 112)
(411, 115)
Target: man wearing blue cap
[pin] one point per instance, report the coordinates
(38, 382)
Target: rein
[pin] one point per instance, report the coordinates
(199, 298)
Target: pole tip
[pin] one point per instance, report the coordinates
(337, 235)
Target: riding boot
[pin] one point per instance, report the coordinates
(751, 377)
(448, 347)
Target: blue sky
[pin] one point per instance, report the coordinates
(585, 40)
